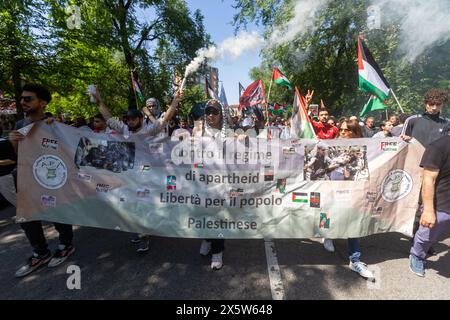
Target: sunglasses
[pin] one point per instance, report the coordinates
(212, 111)
(26, 98)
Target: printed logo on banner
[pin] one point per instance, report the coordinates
(396, 185)
(389, 146)
(289, 150)
(48, 201)
(198, 165)
(343, 195)
(49, 143)
(281, 186)
(102, 187)
(300, 197)
(50, 171)
(314, 201)
(156, 147)
(171, 183)
(84, 177)
(143, 194)
(377, 211)
(268, 173)
(371, 196)
(236, 192)
(324, 222)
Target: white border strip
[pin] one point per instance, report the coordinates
(276, 284)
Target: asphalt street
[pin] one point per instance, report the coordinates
(173, 269)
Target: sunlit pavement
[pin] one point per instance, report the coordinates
(173, 269)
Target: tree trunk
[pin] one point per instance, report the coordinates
(123, 32)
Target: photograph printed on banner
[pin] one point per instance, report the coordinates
(324, 162)
(115, 156)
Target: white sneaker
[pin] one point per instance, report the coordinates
(216, 261)
(328, 245)
(205, 248)
(361, 268)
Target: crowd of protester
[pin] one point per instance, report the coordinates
(211, 119)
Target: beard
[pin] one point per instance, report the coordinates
(134, 128)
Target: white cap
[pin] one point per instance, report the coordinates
(248, 122)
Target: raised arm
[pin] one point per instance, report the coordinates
(102, 108)
(173, 107)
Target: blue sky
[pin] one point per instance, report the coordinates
(218, 18)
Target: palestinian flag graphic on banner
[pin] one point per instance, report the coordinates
(300, 197)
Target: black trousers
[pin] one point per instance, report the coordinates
(217, 245)
(35, 235)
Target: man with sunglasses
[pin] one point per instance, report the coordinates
(34, 100)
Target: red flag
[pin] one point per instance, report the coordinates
(253, 95)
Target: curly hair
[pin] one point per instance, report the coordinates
(436, 96)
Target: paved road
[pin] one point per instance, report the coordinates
(173, 269)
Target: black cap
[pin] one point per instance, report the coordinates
(213, 104)
(134, 113)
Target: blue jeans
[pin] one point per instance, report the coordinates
(354, 251)
(426, 237)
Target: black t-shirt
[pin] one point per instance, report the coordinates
(437, 156)
(6, 152)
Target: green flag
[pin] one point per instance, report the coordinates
(281, 79)
(374, 103)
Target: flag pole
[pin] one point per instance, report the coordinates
(268, 97)
(134, 91)
(395, 97)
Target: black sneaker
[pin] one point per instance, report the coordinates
(135, 239)
(33, 263)
(61, 254)
(143, 245)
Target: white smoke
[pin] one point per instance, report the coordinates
(423, 24)
(302, 22)
(234, 47)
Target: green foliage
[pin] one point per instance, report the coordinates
(325, 60)
(192, 96)
(37, 45)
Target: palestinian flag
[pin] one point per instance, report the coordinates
(374, 103)
(301, 126)
(252, 99)
(300, 197)
(241, 89)
(371, 78)
(137, 89)
(281, 79)
(276, 109)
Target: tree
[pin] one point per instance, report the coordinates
(23, 53)
(110, 42)
(325, 59)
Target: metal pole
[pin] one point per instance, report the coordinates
(395, 97)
